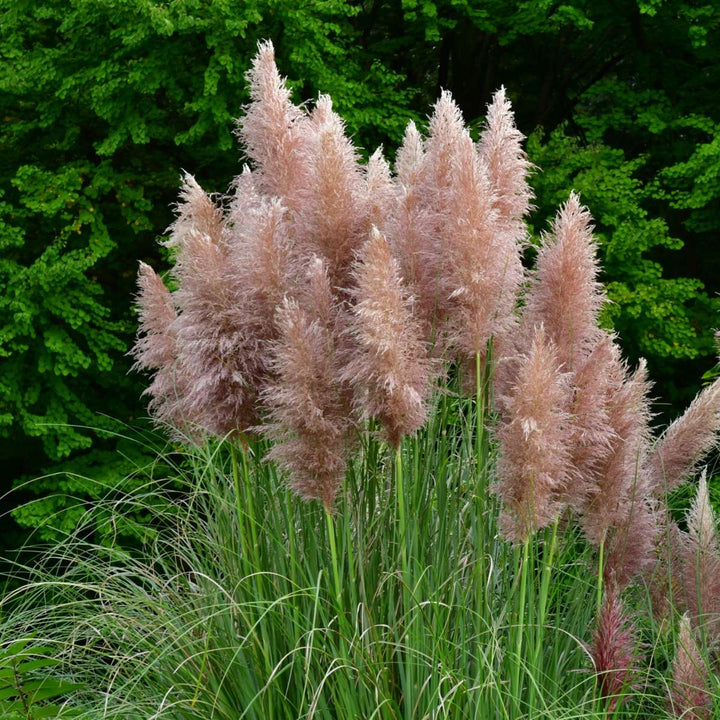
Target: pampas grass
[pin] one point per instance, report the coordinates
(314, 310)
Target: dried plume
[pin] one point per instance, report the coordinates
(310, 419)
(565, 293)
(274, 131)
(156, 347)
(614, 649)
(333, 218)
(594, 381)
(700, 559)
(689, 696)
(389, 368)
(413, 228)
(210, 328)
(533, 466)
(381, 192)
(500, 147)
(481, 269)
(686, 441)
(261, 267)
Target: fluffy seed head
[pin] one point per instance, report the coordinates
(389, 368)
(689, 697)
(686, 441)
(533, 467)
(274, 131)
(614, 649)
(501, 149)
(481, 270)
(309, 418)
(565, 294)
(700, 562)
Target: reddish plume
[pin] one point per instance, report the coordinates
(689, 696)
(565, 293)
(500, 147)
(389, 368)
(533, 465)
(614, 649)
(274, 131)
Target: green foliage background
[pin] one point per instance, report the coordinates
(103, 103)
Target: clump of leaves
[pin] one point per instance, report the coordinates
(28, 688)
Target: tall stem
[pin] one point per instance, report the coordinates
(520, 627)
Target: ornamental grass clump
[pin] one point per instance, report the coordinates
(492, 496)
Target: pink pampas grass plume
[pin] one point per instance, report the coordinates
(700, 558)
(333, 218)
(262, 268)
(389, 368)
(614, 649)
(197, 215)
(500, 147)
(382, 195)
(210, 328)
(622, 512)
(156, 348)
(687, 441)
(309, 418)
(689, 697)
(435, 177)
(533, 465)
(594, 382)
(446, 130)
(413, 228)
(481, 270)
(565, 293)
(274, 131)
(619, 479)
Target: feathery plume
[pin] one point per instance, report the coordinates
(481, 270)
(614, 649)
(620, 480)
(309, 418)
(700, 558)
(156, 347)
(686, 441)
(261, 267)
(275, 132)
(413, 228)
(689, 697)
(446, 130)
(332, 220)
(622, 511)
(210, 328)
(500, 147)
(594, 382)
(388, 368)
(381, 193)
(533, 465)
(565, 293)
(434, 182)
(197, 215)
